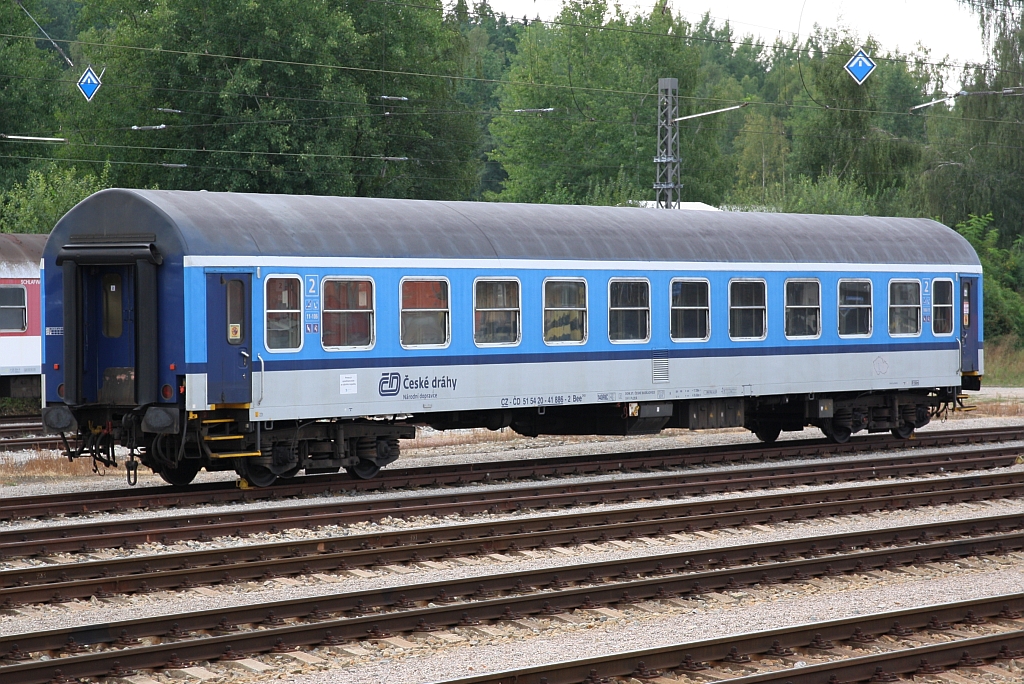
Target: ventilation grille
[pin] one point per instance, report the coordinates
(659, 367)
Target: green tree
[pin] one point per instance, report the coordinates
(600, 78)
(29, 76)
(1003, 270)
(47, 194)
(278, 96)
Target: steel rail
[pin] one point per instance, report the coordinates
(550, 600)
(870, 549)
(76, 503)
(68, 581)
(200, 526)
(875, 667)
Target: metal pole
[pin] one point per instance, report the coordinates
(666, 181)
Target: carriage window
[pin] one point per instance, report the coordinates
(347, 314)
(803, 308)
(854, 307)
(424, 313)
(942, 307)
(629, 311)
(691, 312)
(496, 312)
(904, 308)
(747, 309)
(13, 309)
(565, 311)
(113, 314)
(236, 311)
(284, 313)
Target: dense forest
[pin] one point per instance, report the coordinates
(425, 99)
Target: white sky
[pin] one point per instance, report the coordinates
(943, 26)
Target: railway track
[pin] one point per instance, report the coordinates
(167, 529)
(24, 432)
(424, 607)
(145, 573)
(965, 636)
(77, 503)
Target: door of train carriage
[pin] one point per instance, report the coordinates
(228, 338)
(108, 369)
(970, 326)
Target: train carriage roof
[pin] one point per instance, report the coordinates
(20, 255)
(241, 224)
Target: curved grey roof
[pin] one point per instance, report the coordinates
(20, 255)
(210, 223)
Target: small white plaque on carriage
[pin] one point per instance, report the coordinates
(349, 384)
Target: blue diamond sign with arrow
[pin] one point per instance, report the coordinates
(860, 66)
(89, 84)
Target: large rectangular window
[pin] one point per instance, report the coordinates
(284, 313)
(496, 312)
(854, 307)
(425, 313)
(747, 309)
(13, 309)
(904, 307)
(565, 311)
(113, 312)
(942, 307)
(691, 310)
(629, 311)
(803, 308)
(347, 316)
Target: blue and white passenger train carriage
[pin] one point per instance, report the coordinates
(272, 334)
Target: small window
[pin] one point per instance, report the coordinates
(284, 313)
(347, 316)
(13, 309)
(803, 308)
(629, 311)
(424, 313)
(113, 313)
(236, 311)
(496, 312)
(854, 307)
(966, 304)
(942, 307)
(565, 311)
(905, 308)
(691, 311)
(747, 310)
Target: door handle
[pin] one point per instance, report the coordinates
(244, 353)
(263, 370)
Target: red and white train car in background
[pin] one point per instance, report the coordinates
(20, 315)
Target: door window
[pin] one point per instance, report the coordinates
(284, 313)
(113, 313)
(236, 311)
(13, 309)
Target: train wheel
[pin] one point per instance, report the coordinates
(182, 474)
(903, 432)
(364, 470)
(769, 433)
(255, 474)
(839, 435)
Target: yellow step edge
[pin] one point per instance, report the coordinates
(221, 438)
(211, 421)
(235, 454)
